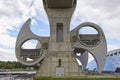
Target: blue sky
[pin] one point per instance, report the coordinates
(13, 14)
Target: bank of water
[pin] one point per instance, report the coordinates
(21, 76)
(15, 77)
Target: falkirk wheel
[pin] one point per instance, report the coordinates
(57, 54)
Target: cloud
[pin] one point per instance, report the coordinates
(105, 13)
(7, 55)
(113, 47)
(13, 13)
(38, 12)
(30, 44)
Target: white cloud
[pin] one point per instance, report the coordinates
(30, 44)
(7, 41)
(13, 13)
(105, 13)
(113, 47)
(7, 55)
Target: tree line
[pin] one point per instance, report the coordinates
(14, 65)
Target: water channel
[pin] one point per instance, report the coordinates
(21, 76)
(14, 78)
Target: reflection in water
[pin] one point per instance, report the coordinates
(17, 75)
(14, 77)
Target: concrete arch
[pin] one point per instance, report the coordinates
(24, 35)
(83, 58)
(96, 27)
(96, 60)
(98, 51)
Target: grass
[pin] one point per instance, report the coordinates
(77, 78)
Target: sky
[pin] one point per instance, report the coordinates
(14, 13)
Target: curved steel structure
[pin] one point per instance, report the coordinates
(59, 51)
(82, 56)
(95, 43)
(22, 54)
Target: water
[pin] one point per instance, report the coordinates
(14, 77)
(22, 76)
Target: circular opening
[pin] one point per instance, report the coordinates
(88, 30)
(30, 50)
(30, 44)
(78, 53)
(89, 36)
(89, 63)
